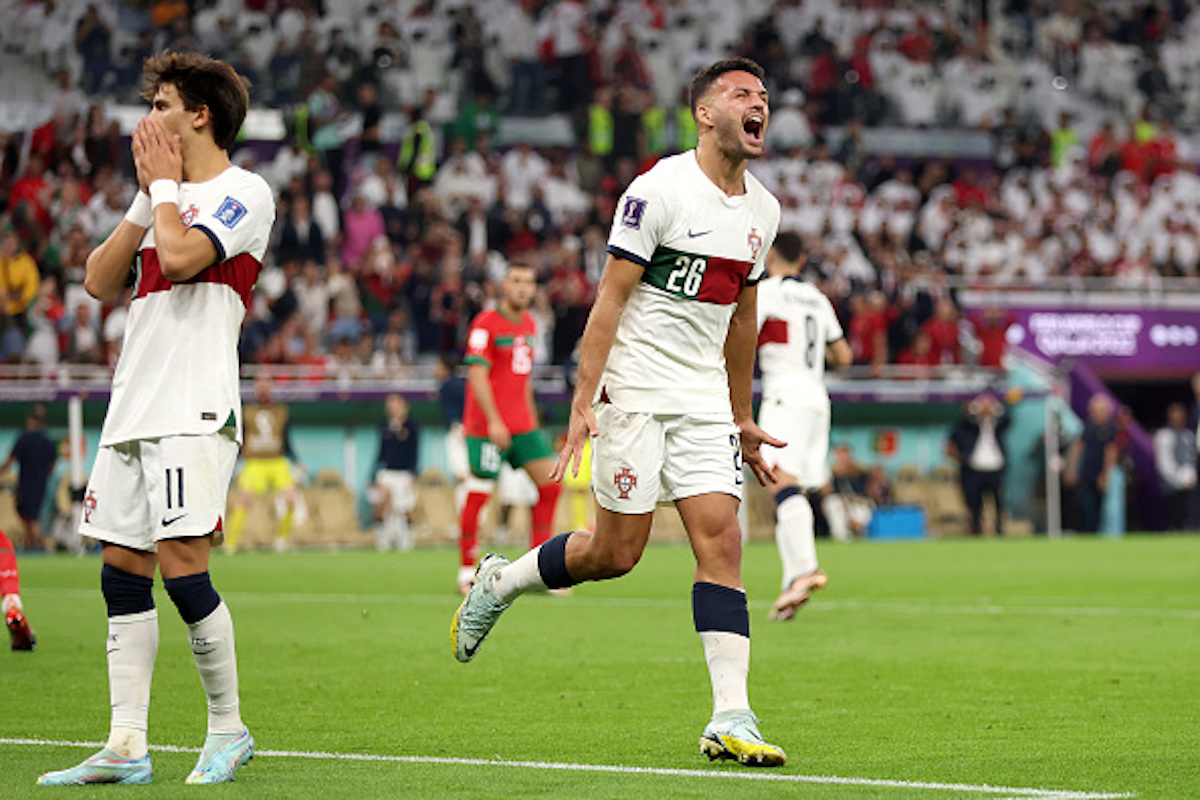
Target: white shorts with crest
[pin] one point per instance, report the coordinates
(640, 459)
(147, 490)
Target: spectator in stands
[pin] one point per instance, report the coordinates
(300, 238)
(19, 285)
(326, 211)
(1104, 150)
(418, 160)
(867, 332)
(977, 444)
(325, 118)
(370, 141)
(991, 328)
(942, 328)
(93, 41)
(790, 127)
(84, 345)
(362, 229)
(569, 38)
(44, 318)
(1175, 459)
(516, 35)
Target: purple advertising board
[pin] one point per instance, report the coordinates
(1153, 343)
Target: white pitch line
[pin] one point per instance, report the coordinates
(1007, 792)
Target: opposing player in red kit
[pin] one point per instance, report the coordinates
(10, 598)
(500, 417)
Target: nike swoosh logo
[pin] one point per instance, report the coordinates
(172, 520)
(470, 651)
(113, 650)
(694, 235)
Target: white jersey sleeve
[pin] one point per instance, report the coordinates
(641, 222)
(234, 221)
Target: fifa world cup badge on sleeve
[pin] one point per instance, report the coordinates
(631, 217)
(231, 212)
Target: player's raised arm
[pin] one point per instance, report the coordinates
(740, 345)
(108, 265)
(620, 278)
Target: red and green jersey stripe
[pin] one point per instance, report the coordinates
(709, 279)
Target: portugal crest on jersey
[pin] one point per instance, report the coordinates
(754, 239)
(89, 505)
(625, 481)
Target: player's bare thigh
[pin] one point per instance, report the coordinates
(712, 527)
(783, 480)
(539, 470)
(612, 550)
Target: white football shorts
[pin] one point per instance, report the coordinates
(147, 490)
(401, 486)
(640, 459)
(806, 431)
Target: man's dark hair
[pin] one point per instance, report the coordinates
(201, 81)
(789, 246)
(705, 78)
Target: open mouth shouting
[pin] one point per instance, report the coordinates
(754, 125)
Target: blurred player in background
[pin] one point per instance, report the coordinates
(664, 393)
(268, 460)
(500, 419)
(394, 494)
(35, 454)
(192, 246)
(798, 331)
(19, 632)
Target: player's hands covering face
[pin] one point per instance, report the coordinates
(156, 153)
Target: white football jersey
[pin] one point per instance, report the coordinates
(178, 370)
(795, 323)
(699, 249)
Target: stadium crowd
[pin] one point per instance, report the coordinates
(384, 250)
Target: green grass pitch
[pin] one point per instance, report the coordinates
(962, 668)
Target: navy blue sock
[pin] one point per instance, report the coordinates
(193, 595)
(125, 593)
(784, 494)
(552, 563)
(719, 608)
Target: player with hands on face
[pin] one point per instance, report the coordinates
(191, 247)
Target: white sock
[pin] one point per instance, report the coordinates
(838, 517)
(10, 601)
(216, 661)
(728, 658)
(132, 648)
(794, 536)
(519, 577)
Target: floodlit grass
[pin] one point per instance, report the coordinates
(1030, 664)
